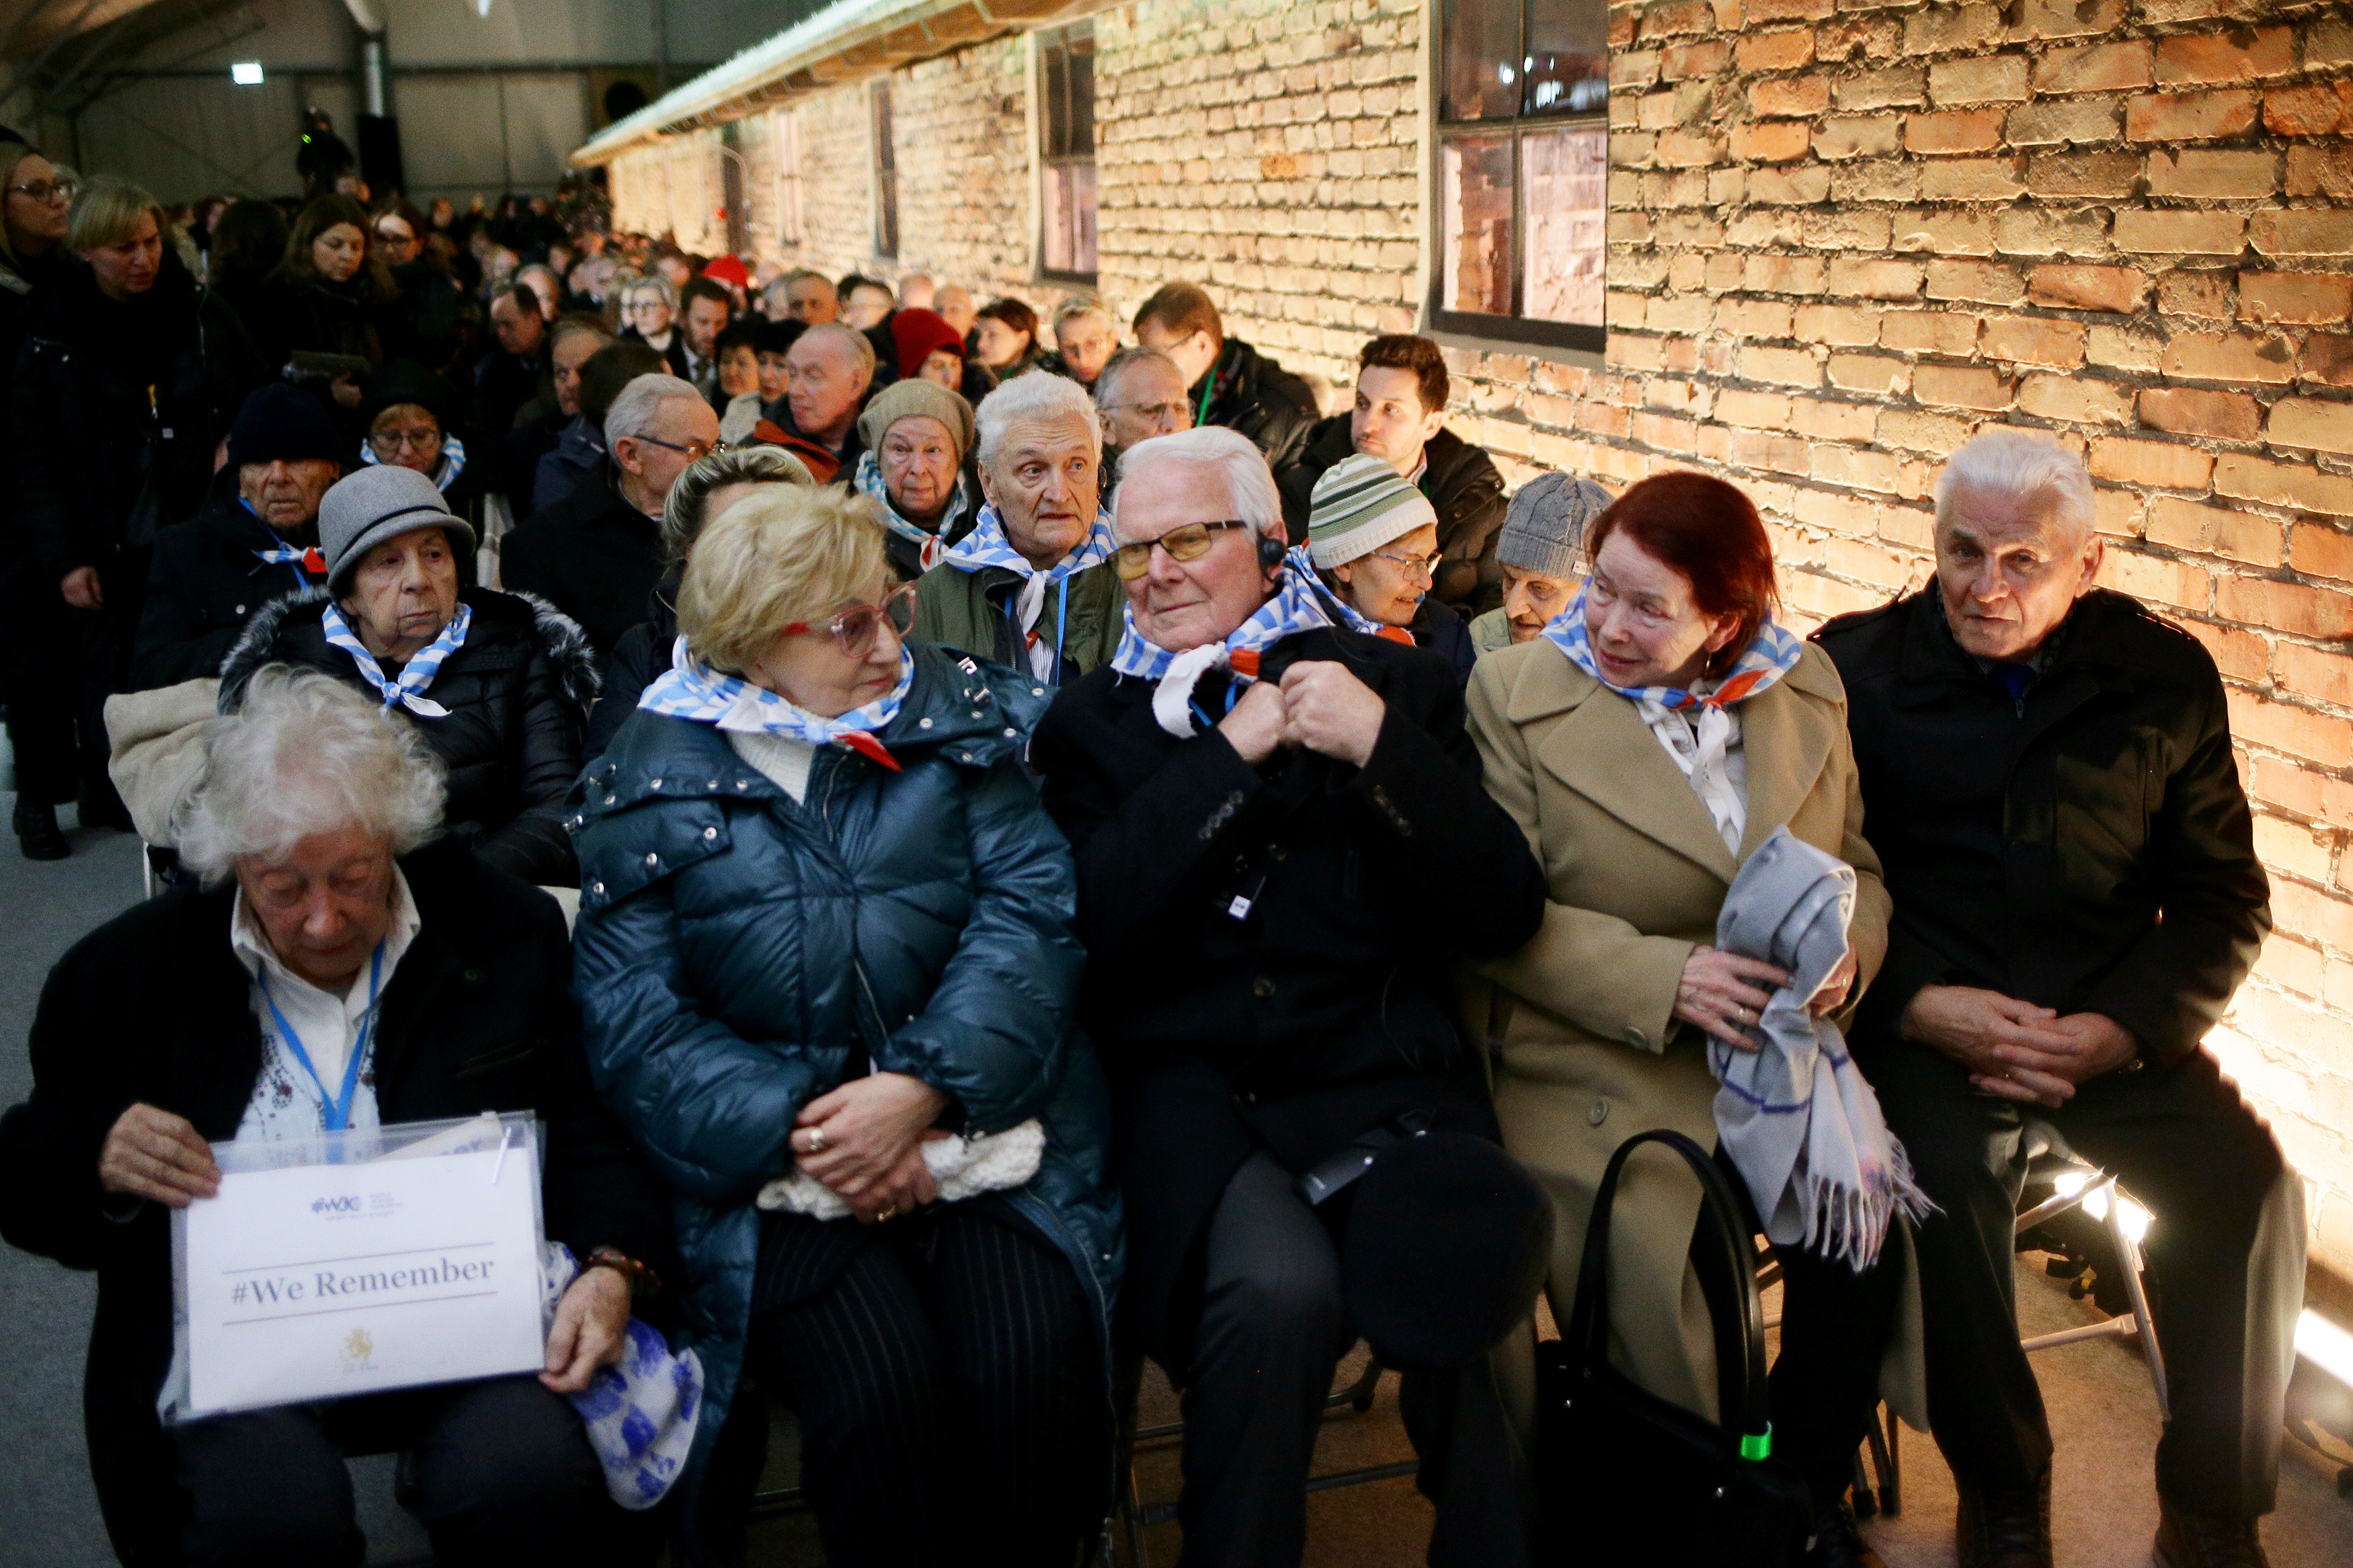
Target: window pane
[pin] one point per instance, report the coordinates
(1082, 46)
(1070, 189)
(1566, 172)
(1480, 42)
(1477, 234)
(1567, 65)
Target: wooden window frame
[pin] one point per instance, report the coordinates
(1048, 162)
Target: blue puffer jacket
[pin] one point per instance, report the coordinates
(731, 945)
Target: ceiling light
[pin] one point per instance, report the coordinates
(245, 73)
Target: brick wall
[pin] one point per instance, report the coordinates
(1842, 237)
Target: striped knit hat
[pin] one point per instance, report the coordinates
(1359, 504)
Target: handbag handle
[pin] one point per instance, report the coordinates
(1588, 1324)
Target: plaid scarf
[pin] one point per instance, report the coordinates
(408, 691)
(693, 690)
(1772, 655)
(1293, 608)
(930, 548)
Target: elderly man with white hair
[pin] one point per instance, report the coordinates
(1281, 846)
(337, 969)
(1031, 585)
(2047, 777)
(597, 553)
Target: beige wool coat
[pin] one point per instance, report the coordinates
(1588, 1053)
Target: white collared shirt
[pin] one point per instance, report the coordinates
(285, 1103)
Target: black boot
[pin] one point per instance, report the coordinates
(2190, 1540)
(2003, 1528)
(1836, 1543)
(36, 830)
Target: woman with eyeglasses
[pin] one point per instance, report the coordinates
(433, 309)
(1372, 547)
(406, 410)
(825, 961)
(650, 316)
(40, 714)
(498, 686)
(129, 377)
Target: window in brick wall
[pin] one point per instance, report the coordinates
(886, 177)
(1066, 154)
(1523, 154)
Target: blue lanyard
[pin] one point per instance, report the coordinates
(1061, 626)
(337, 1108)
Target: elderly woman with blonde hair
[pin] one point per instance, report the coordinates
(824, 952)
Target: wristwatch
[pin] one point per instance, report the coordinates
(643, 1280)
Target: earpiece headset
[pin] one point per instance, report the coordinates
(1271, 549)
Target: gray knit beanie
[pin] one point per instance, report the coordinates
(1545, 529)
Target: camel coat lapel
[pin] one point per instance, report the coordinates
(1580, 1019)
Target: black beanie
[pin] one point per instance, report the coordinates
(282, 421)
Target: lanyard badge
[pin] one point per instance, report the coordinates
(336, 1108)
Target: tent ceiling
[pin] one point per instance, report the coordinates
(63, 51)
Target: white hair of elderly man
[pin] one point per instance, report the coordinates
(1038, 395)
(1250, 483)
(2027, 471)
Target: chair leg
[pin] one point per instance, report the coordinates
(1864, 1501)
(2128, 1254)
(1886, 1460)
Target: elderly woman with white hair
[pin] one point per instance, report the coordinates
(1031, 585)
(338, 968)
(1282, 846)
(824, 951)
(497, 685)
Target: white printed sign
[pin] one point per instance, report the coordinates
(320, 1281)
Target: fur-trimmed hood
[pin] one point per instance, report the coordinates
(568, 645)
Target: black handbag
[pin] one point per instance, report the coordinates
(1623, 1476)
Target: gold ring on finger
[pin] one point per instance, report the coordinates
(887, 1211)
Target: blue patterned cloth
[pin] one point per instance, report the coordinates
(1342, 613)
(1294, 607)
(408, 691)
(445, 472)
(308, 564)
(987, 545)
(930, 548)
(1772, 654)
(691, 689)
(642, 1415)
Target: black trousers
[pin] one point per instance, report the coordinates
(2226, 1246)
(503, 1475)
(44, 646)
(1273, 1331)
(952, 1396)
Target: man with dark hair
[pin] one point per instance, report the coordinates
(516, 371)
(1400, 417)
(1228, 382)
(704, 308)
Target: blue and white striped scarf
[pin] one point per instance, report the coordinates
(408, 691)
(930, 548)
(987, 545)
(1293, 608)
(445, 472)
(691, 689)
(1302, 566)
(1771, 654)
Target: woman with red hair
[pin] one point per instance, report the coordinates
(1649, 743)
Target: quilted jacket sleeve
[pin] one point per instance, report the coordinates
(994, 1034)
(712, 1110)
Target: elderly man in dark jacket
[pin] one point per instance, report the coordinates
(1399, 416)
(2048, 779)
(1269, 899)
(256, 539)
(130, 1081)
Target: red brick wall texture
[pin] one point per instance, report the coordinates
(1842, 237)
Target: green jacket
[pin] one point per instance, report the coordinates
(974, 611)
(1491, 631)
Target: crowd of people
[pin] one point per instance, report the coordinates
(1080, 855)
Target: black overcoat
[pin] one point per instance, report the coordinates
(2085, 847)
(1321, 1009)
